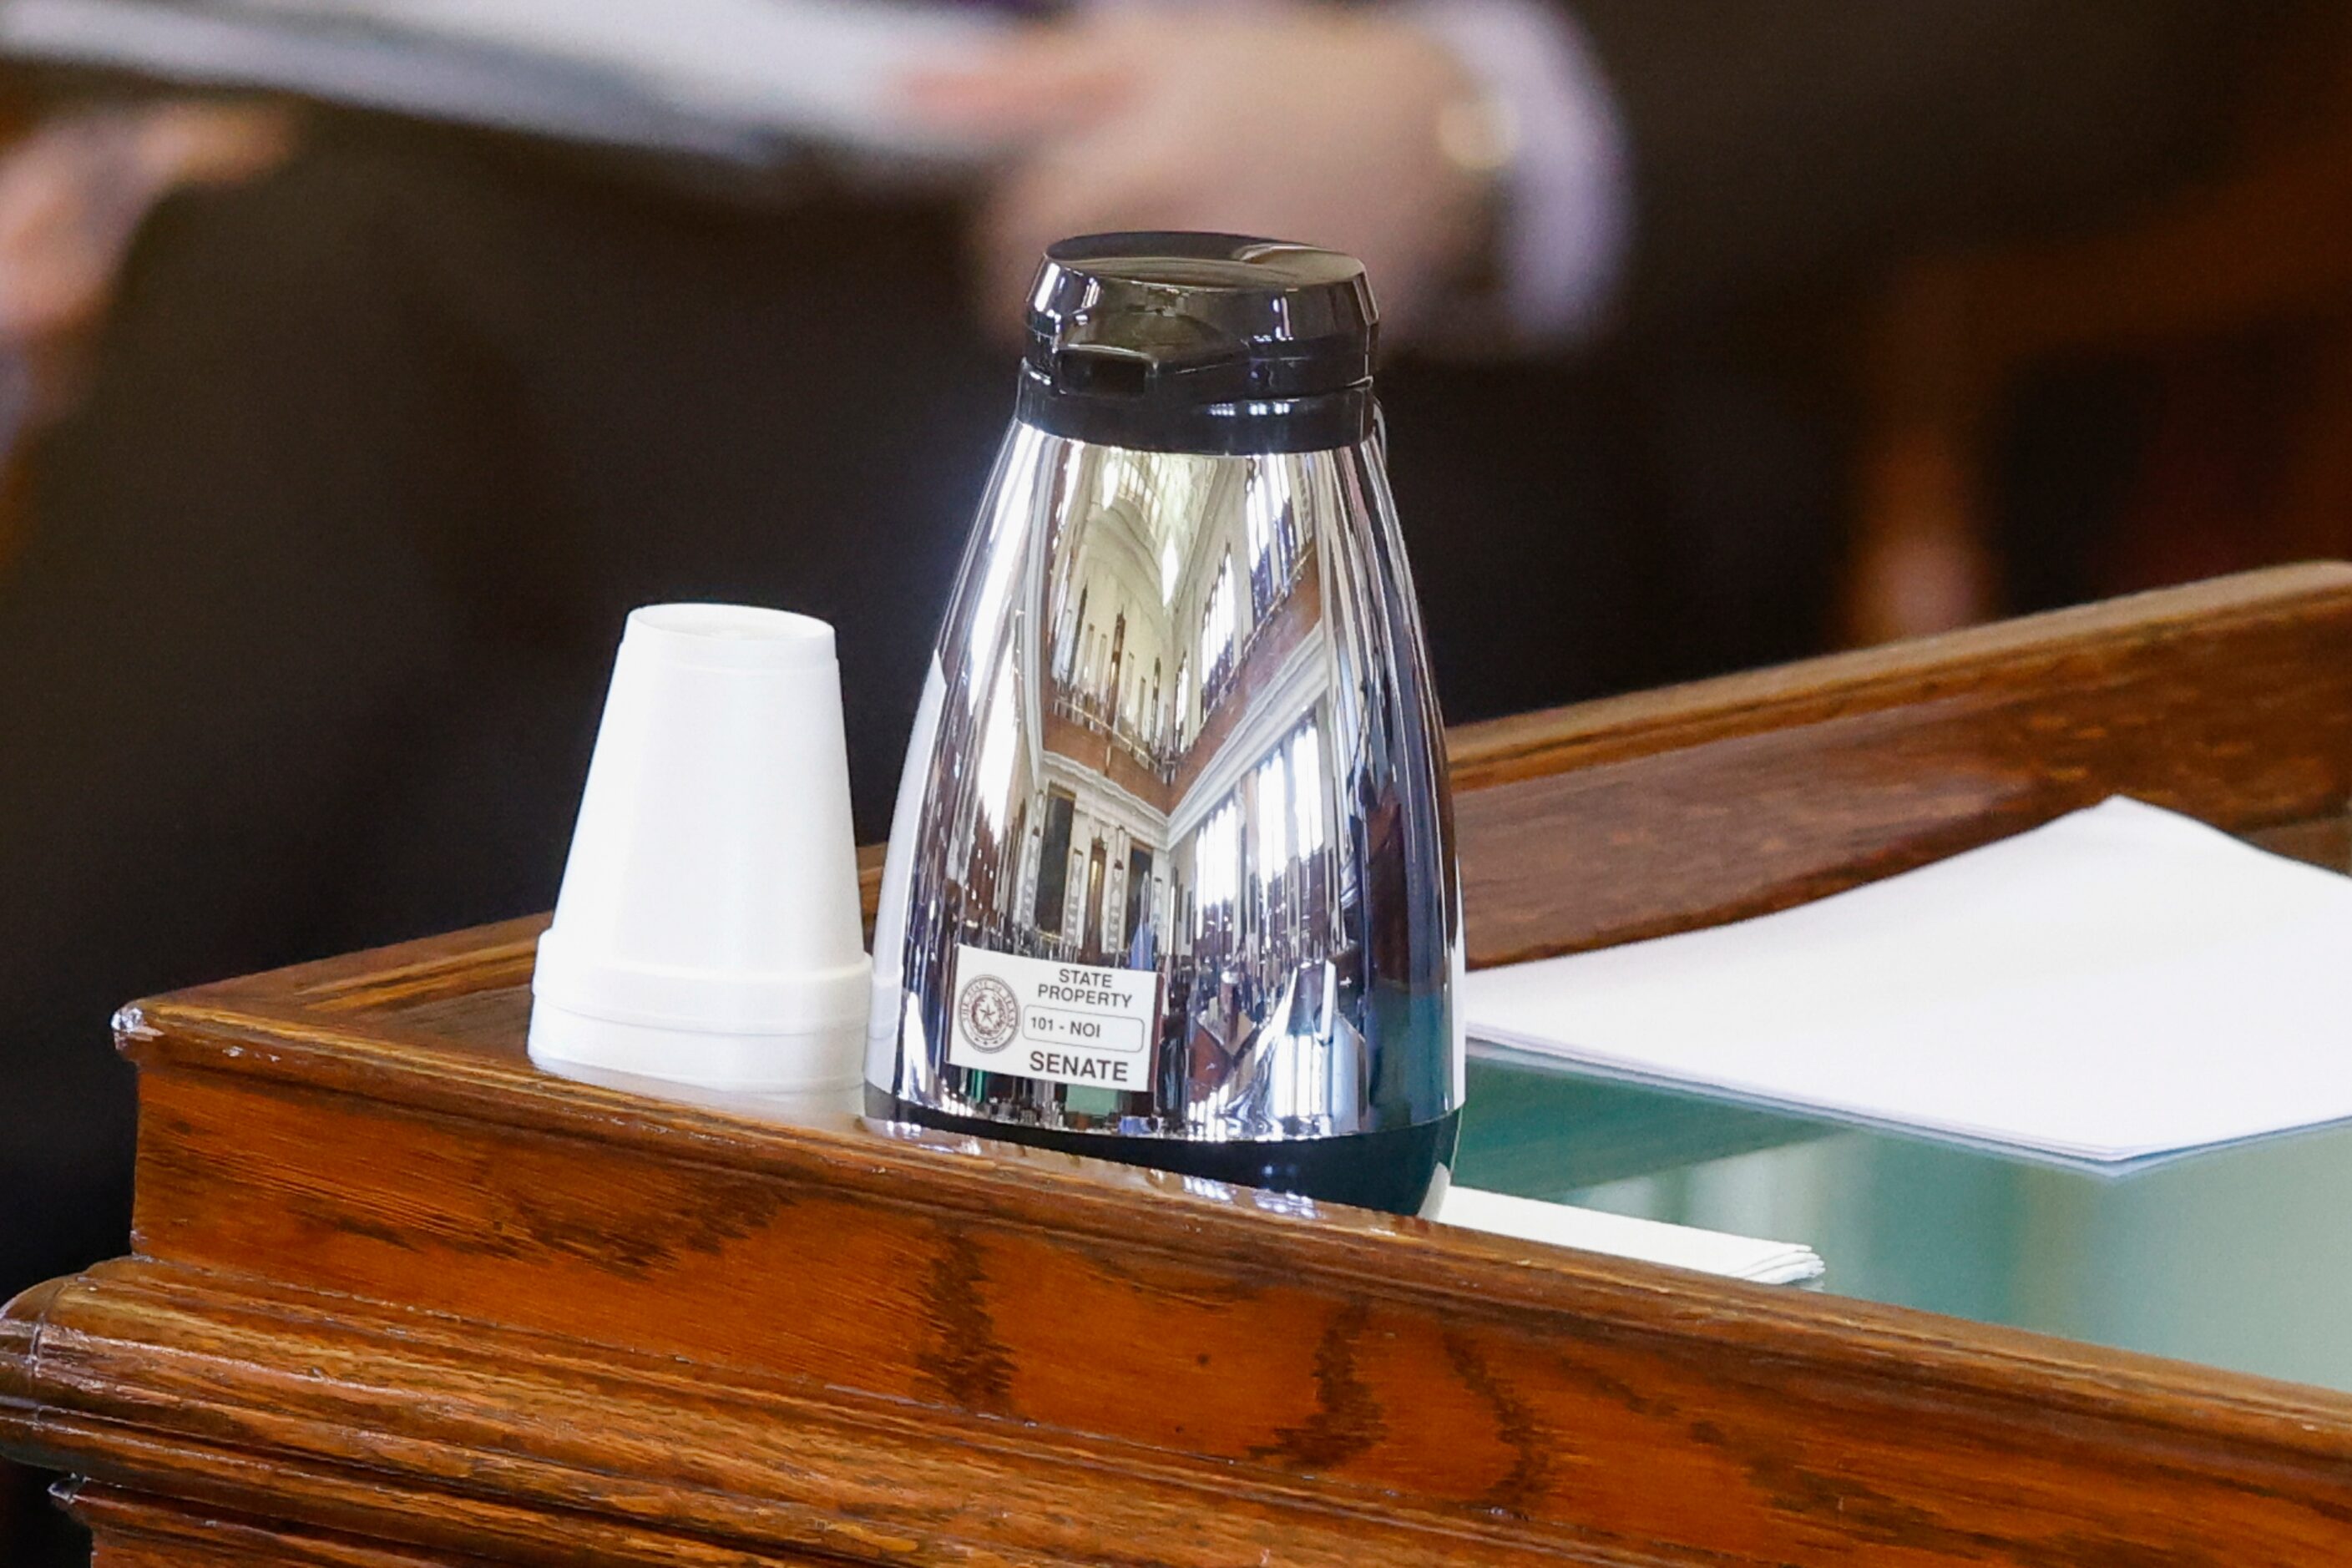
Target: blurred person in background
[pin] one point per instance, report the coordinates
(305, 645)
(74, 187)
(73, 190)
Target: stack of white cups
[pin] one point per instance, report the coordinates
(707, 931)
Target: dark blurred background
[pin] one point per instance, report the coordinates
(354, 386)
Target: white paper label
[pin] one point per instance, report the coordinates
(1039, 1018)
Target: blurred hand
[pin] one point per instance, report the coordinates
(72, 195)
(1297, 123)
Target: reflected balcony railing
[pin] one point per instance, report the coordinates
(1096, 715)
(1220, 676)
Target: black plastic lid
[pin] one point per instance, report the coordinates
(1200, 342)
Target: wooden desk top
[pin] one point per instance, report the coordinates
(399, 1298)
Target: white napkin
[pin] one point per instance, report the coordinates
(1621, 1235)
(2119, 984)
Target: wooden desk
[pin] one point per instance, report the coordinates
(400, 1300)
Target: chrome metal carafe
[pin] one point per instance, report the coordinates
(1171, 877)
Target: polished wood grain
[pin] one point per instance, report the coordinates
(136, 1532)
(1584, 827)
(399, 1299)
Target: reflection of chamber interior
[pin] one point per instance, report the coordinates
(1153, 747)
(1192, 599)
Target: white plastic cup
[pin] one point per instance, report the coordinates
(707, 931)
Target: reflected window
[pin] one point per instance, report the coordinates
(1272, 823)
(1010, 513)
(998, 745)
(1307, 788)
(1271, 537)
(1253, 518)
(1217, 854)
(1218, 624)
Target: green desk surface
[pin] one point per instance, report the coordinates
(2241, 1257)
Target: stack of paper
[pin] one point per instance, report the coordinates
(2120, 985)
(1620, 1235)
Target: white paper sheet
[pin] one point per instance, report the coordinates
(1621, 1235)
(2121, 984)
